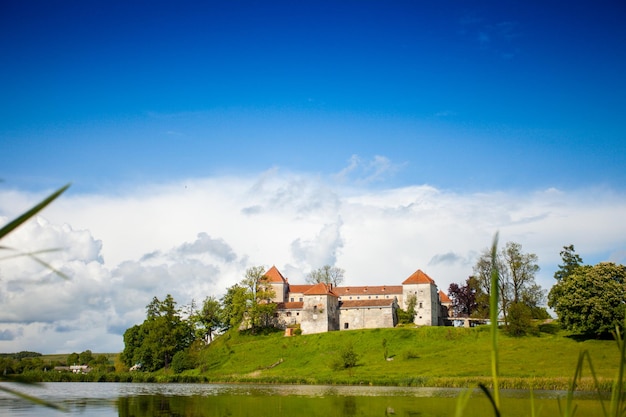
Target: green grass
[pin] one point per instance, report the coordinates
(426, 356)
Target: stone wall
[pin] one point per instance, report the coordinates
(319, 314)
(366, 317)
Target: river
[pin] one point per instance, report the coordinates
(204, 400)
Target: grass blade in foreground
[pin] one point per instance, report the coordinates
(31, 398)
(9, 227)
(493, 316)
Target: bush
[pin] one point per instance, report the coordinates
(182, 361)
(347, 359)
(520, 320)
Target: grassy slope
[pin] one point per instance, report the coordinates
(429, 356)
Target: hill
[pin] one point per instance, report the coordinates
(404, 356)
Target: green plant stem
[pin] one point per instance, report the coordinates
(493, 315)
(14, 224)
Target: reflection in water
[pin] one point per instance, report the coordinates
(255, 405)
(204, 400)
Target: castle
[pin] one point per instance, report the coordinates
(318, 308)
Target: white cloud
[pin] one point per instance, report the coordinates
(195, 238)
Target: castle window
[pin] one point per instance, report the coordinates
(420, 305)
(345, 325)
(370, 297)
(314, 309)
(289, 314)
(292, 299)
(300, 299)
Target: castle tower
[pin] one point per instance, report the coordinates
(279, 285)
(427, 306)
(320, 310)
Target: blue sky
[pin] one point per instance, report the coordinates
(497, 94)
(420, 128)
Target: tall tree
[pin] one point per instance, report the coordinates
(327, 275)
(155, 342)
(571, 261)
(234, 306)
(250, 301)
(591, 300)
(516, 274)
(521, 268)
(260, 311)
(208, 320)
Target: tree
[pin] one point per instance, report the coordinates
(327, 275)
(534, 297)
(86, 357)
(260, 311)
(408, 316)
(464, 297)
(72, 359)
(234, 306)
(250, 301)
(520, 316)
(155, 342)
(591, 299)
(521, 268)
(571, 261)
(208, 320)
(516, 274)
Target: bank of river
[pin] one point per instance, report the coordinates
(199, 400)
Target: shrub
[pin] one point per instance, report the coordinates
(182, 361)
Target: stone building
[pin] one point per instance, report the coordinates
(321, 308)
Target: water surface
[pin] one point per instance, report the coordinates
(204, 400)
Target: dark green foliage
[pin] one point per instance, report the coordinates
(73, 359)
(20, 355)
(182, 361)
(86, 357)
(571, 261)
(155, 342)
(590, 300)
(520, 320)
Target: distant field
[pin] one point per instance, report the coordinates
(417, 356)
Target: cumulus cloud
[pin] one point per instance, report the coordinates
(195, 238)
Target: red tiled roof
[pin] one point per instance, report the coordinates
(366, 303)
(443, 297)
(299, 288)
(320, 289)
(296, 305)
(418, 277)
(274, 275)
(377, 289)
